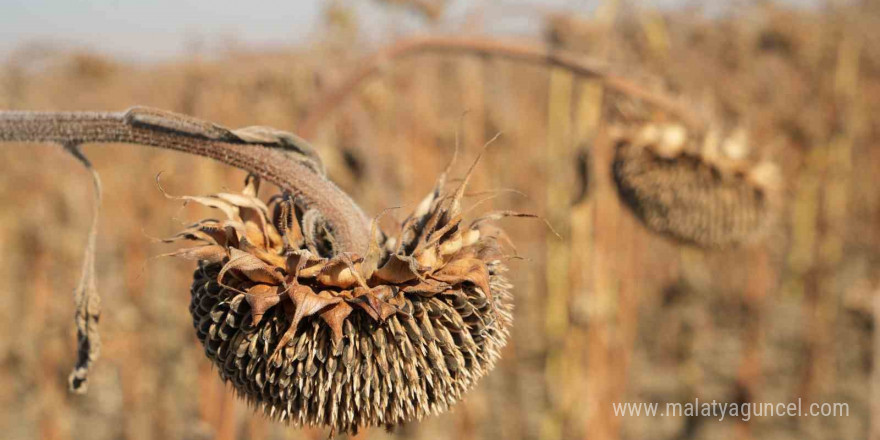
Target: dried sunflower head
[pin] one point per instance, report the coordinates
(345, 340)
(704, 195)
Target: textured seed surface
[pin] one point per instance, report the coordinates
(682, 195)
(315, 337)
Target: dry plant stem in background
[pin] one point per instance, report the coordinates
(524, 52)
(308, 310)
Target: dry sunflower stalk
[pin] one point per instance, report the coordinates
(309, 311)
(701, 193)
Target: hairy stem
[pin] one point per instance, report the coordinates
(155, 128)
(481, 46)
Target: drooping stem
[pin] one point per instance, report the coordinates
(85, 297)
(527, 53)
(350, 226)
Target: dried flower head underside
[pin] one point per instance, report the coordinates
(345, 340)
(703, 194)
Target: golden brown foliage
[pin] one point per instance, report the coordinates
(612, 313)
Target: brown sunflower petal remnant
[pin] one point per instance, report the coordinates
(251, 267)
(209, 253)
(398, 270)
(306, 303)
(261, 298)
(335, 318)
(469, 269)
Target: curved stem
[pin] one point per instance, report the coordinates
(533, 54)
(155, 128)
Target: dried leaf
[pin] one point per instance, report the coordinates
(426, 288)
(342, 271)
(251, 267)
(252, 212)
(469, 237)
(488, 230)
(244, 201)
(215, 230)
(237, 236)
(286, 223)
(398, 269)
(438, 235)
(428, 257)
(374, 251)
(466, 269)
(451, 246)
(374, 301)
(208, 231)
(256, 234)
(251, 185)
(304, 264)
(210, 253)
(307, 304)
(261, 298)
(429, 226)
(335, 317)
(230, 210)
(86, 300)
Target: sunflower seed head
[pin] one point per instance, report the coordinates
(694, 195)
(340, 340)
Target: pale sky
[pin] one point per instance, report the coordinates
(153, 28)
(146, 30)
